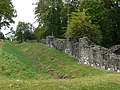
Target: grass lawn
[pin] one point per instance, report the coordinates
(34, 66)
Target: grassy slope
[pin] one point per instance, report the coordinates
(16, 65)
(35, 62)
(55, 62)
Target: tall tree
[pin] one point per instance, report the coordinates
(39, 33)
(52, 15)
(48, 16)
(24, 31)
(7, 13)
(68, 7)
(106, 14)
(80, 26)
(114, 18)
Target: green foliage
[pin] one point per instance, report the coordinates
(48, 14)
(24, 31)
(7, 13)
(104, 19)
(80, 26)
(52, 15)
(39, 33)
(105, 14)
(68, 7)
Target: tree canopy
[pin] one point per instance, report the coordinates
(24, 31)
(52, 15)
(102, 13)
(97, 19)
(80, 26)
(7, 13)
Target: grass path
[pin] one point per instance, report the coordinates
(105, 82)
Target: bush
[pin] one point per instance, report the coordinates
(80, 26)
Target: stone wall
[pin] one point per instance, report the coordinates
(86, 52)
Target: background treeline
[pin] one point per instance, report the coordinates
(24, 32)
(97, 19)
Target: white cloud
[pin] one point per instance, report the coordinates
(24, 10)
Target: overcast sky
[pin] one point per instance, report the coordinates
(24, 12)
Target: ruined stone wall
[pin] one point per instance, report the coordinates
(86, 52)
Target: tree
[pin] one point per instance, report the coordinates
(24, 31)
(80, 26)
(7, 13)
(39, 33)
(48, 16)
(114, 18)
(52, 15)
(68, 7)
(106, 14)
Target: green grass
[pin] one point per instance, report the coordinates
(14, 64)
(105, 82)
(57, 62)
(34, 66)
